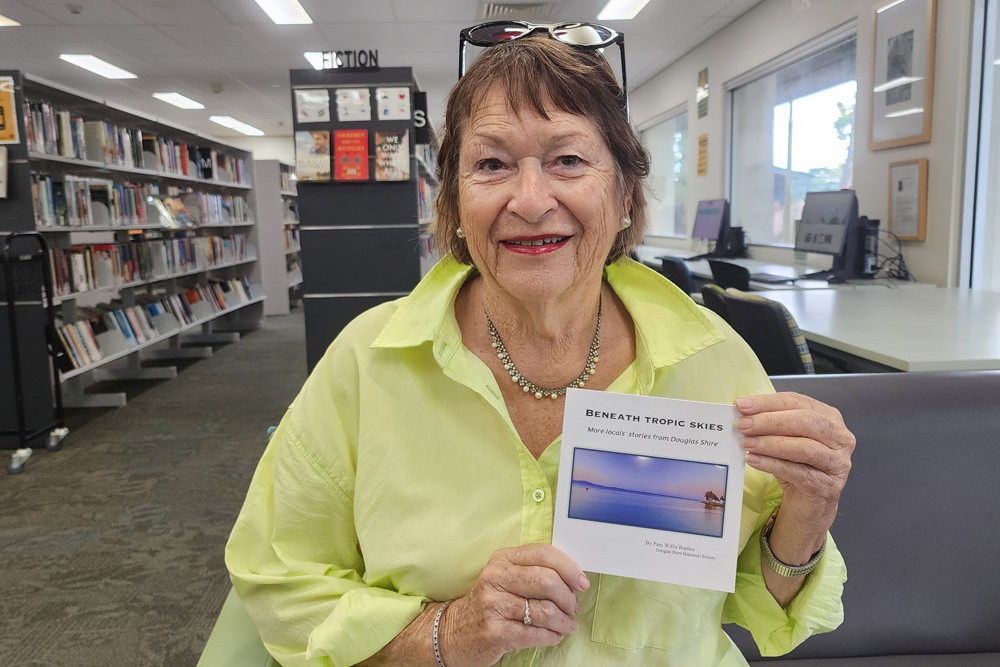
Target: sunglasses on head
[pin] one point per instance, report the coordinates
(580, 35)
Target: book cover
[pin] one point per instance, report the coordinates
(393, 103)
(312, 106)
(70, 350)
(312, 155)
(350, 155)
(353, 104)
(392, 155)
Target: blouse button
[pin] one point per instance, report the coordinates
(538, 495)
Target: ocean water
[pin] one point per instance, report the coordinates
(644, 510)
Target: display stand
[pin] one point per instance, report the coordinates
(360, 236)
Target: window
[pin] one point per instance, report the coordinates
(792, 133)
(981, 229)
(666, 142)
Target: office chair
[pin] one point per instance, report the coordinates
(678, 273)
(771, 332)
(727, 274)
(712, 297)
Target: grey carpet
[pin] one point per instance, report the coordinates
(111, 550)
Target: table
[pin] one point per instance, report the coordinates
(904, 329)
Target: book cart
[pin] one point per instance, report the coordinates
(364, 167)
(151, 237)
(29, 338)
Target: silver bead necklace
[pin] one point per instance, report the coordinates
(530, 387)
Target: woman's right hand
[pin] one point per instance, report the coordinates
(487, 622)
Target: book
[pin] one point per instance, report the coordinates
(312, 155)
(353, 104)
(3, 172)
(392, 155)
(350, 155)
(393, 103)
(312, 105)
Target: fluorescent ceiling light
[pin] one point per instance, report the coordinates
(179, 100)
(97, 66)
(315, 59)
(238, 125)
(285, 12)
(621, 10)
(896, 83)
(4, 21)
(905, 112)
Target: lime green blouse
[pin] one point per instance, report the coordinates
(397, 471)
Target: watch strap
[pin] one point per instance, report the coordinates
(779, 568)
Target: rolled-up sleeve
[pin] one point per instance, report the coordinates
(293, 555)
(817, 608)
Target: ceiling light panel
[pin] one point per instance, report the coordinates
(97, 66)
(7, 22)
(178, 100)
(285, 12)
(238, 125)
(621, 10)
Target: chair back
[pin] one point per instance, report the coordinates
(713, 298)
(727, 274)
(771, 331)
(678, 273)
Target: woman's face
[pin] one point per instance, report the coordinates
(537, 199)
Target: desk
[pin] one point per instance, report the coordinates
(700, 269)
(907, 329)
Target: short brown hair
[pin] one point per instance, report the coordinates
(538, 72)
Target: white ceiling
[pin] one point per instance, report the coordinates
(195, 47)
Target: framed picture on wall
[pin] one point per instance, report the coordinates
(908, 199)
(902, 73)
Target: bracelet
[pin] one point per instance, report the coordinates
(775, 565)
(437, 623)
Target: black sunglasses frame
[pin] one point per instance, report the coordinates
(465, 37)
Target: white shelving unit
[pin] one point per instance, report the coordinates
(278, 226)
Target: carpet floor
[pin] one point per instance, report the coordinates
(111, 550)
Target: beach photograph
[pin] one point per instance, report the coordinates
(648, 492)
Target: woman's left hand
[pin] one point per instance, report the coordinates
(806, 445)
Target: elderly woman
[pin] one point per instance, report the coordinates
(402, 512)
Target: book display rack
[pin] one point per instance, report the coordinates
(151, 234)
(364, 189)
(278, 229)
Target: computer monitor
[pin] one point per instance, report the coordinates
(826, 218)
(711, 220)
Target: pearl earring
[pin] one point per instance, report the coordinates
(626, 222)
(459, 233)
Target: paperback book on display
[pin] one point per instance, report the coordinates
(392, 155)
(393, 103)
(644, 487)
(312, 105)
(312, 155)
(353, 104)
(350, 155)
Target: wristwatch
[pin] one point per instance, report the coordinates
(775, 565)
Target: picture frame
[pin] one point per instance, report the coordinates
(902, 74)
(908, 199)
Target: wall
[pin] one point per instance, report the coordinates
(776, 26)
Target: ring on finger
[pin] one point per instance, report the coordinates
(527, 613)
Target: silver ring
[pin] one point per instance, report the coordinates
(527, 613)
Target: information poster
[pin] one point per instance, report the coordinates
(645, 485)
(353, 104)
(393, 103)
(8, 114)
(350, 155)
(701, 93)
(702, 154)
(392, 155)
(312, 105)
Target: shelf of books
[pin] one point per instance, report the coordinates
(364, 188)
(151, 229)
(278, 225)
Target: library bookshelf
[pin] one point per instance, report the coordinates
(151, 230)
(278, 229)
